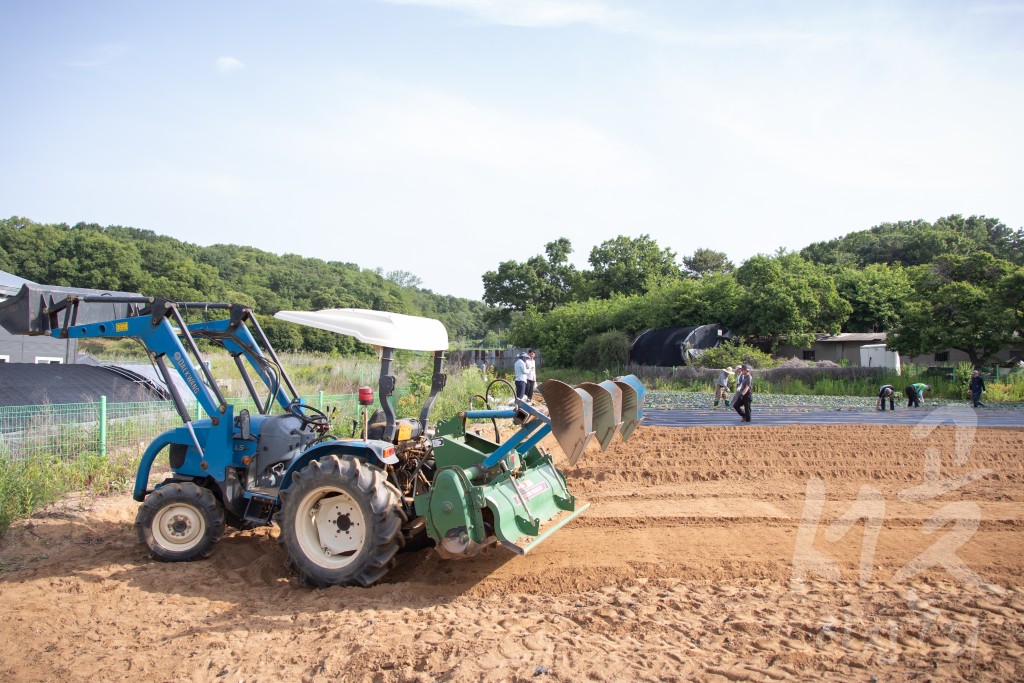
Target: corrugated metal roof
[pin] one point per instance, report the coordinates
(865, 337)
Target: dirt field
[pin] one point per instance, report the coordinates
(710, 553)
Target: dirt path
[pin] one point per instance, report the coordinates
(763, 553)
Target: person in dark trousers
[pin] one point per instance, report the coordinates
(520, 374)
(531, 374)
(977, 388)
(915, 394)
(886, 392)
(744, 389)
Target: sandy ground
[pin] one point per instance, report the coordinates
(711, 553)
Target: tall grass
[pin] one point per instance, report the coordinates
(1010, 389)
(461, 386)
(30, 484)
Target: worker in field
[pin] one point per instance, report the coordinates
(531, 374)
(886, 392)
(976, 389)
(915, 394)
(722, 386)
(521, 374)
(744, 390)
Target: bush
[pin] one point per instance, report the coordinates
(731, 354)
(606, 350)
(962, 377)
(1008, 389)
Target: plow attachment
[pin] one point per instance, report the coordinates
(590, 410)
(512, 493)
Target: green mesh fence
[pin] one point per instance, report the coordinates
(70, 429)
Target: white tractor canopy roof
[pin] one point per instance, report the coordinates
(379, 328)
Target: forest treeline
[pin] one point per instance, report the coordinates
(957, 283)
(134, 260)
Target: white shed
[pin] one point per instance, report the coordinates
(877, 356)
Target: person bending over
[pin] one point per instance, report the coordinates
(886, 392)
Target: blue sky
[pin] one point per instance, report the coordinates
(442, 137)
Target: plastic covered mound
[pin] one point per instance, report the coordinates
(672, 346)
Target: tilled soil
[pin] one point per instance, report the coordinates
(759, 553)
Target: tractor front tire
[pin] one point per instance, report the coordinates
(180, 522)
(341, 523)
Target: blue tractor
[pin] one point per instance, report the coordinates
(345, 506)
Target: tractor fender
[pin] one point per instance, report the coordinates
(372, 452)
(146, 464)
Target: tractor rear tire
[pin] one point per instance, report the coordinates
(180, 522)
(341, 523)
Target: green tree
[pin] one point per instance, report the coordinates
(629, 265)
(32, 248)
(404, 278)
(563, 330)
(786, 296)
(919, 242)
(712, 299)
(542, 282)
(964, 303)
(707, 262)
(877, 294)
(987, 234)
(1011, 292)
(93, 260)
(607, 350)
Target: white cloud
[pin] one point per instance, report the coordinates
(99, 56)
(229, 65)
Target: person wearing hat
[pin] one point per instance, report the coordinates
(521, 375)
(886, 392)
(744, 389)
(722, 386)
(977, 388)
(915, 394)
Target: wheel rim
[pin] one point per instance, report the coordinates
(330, 527)
(179, 527)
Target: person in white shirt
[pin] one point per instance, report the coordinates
(531, 374)
(520, 375)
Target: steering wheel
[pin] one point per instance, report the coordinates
(310, 416)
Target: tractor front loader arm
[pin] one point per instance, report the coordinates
(238, 340)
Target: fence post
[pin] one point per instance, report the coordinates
(103, 426)
(320, 400)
